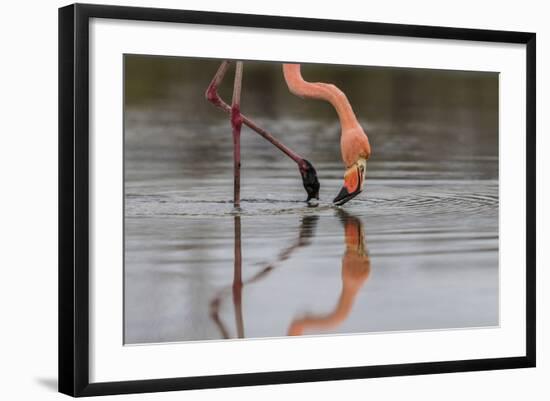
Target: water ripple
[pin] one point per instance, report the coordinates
(380, 200)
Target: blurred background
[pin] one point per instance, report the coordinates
(417, 250)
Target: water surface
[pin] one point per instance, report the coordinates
(418, 250)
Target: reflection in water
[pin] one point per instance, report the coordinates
(355, 272)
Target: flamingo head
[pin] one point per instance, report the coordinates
(353, 182)
(310, 180)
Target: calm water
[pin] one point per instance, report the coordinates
(417, 250)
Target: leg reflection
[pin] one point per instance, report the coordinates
(236, 289)
(238, 280)
(355, 272)
(307, 231)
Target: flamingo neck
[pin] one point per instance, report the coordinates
(319, 90)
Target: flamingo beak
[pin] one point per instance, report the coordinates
(353, 182)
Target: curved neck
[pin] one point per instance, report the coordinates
(319, 90)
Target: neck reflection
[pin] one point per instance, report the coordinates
(355, 272)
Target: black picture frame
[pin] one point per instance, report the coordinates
(74, 192)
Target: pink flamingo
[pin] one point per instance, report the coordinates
(354, 143)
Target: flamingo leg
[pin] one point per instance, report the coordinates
(236, 124)
(307, 171)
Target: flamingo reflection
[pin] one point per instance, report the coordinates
(355, 272)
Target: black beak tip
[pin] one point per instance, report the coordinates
(344, 196)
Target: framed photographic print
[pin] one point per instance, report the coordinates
(249, 199)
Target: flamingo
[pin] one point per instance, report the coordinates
(354, 143)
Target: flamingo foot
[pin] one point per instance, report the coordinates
(310, 180)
